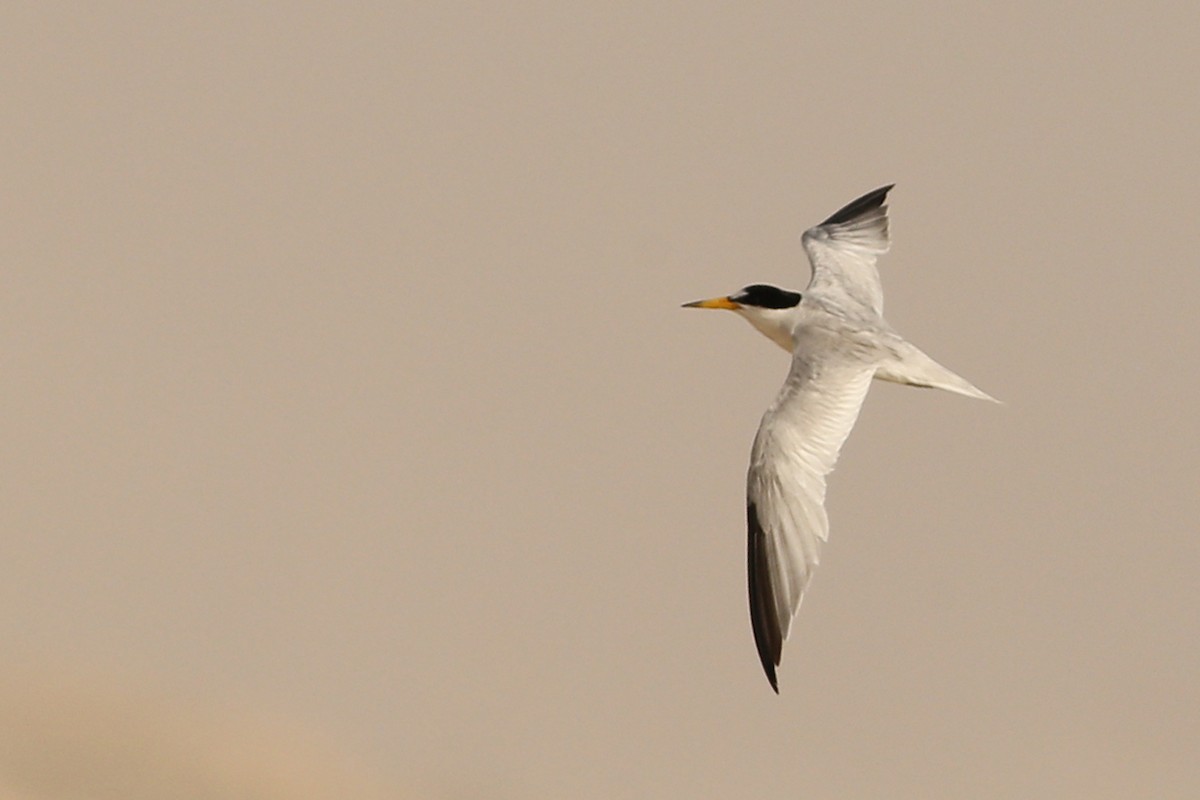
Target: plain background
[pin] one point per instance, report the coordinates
(344, 386)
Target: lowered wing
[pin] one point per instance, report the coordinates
(796, 447)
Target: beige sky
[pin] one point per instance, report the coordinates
(345, 384)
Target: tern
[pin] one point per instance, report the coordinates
(838, 341)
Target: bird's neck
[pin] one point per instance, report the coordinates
(777, 328)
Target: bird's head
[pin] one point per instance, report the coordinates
(768, 308)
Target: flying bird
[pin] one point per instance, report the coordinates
(838, 341)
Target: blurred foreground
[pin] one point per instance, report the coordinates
(65, 737)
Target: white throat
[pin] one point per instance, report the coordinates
(776, 324)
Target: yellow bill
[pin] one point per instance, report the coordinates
(716, 302)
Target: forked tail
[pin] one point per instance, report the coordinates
(913, 368)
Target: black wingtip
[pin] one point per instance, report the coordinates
(763, 619)
(868, 202)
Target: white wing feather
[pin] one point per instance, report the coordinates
(843, 250)
(796, 447)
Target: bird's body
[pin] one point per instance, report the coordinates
(839, 341)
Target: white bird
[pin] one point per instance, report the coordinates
(838, 340)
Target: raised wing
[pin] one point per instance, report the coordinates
(796, 447)
(843, 250)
